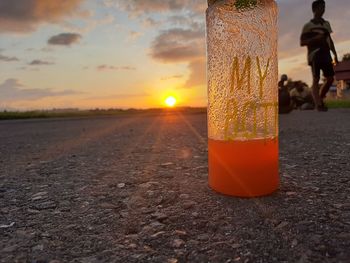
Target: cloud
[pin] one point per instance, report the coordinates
(133, 35)
(38, 62)
(12, 90)
(8, 59)
(89, 25)
(119, 96)
(64, 39)
(110, 67)
(25, 16)
(178, 45)
(172, 77)
(149, 22)
(137, 7)
(197, 73)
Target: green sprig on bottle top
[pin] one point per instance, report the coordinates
(243, 4)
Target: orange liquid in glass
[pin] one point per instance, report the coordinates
(244, 168)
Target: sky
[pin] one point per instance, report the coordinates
(127, 53)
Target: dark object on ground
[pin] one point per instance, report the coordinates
(307, 106)
(284, 101)
(134, 189)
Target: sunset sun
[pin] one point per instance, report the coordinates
(170, 101)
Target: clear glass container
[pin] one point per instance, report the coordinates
(242, 75)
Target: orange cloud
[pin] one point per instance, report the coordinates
(24, 16)
(65, 39)
(177, 44)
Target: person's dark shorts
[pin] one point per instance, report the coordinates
(322, 62)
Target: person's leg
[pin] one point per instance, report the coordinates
(328, 72)
(316, 91)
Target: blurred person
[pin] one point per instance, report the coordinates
(284, 101)
(301, 97)
(316, 35)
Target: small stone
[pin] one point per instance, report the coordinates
(189, 204)
(177, 243)
(7, 226)
(38, 248)
(156, 224)
(282, 225)
(195, 214)
(39, 194)
(107, 206)
(121, 185)
(132, 246)
(235, 246)
(184, 196)
(45, 234)
(180, 233)
(159, 216)
(291, 193)
(45, 205)
(147, 248)
(166, 164)
(294, 243)
(172, 260)
(38, 198)
(148, 184)
(203, 237)
(158, 234)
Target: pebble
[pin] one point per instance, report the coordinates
(159, 216)
(121, 185)
(294, 243)
(7, 226)
(166, 164)
(180, 232)
(195, 214)
(177, 243)
(189, 204)
(184, 196)
(39, 194)
(203, 237)
(281, 225)
(158, 234)
(45, 205)
(38, 248)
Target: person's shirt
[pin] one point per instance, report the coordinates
(303, 94)
(313, 28)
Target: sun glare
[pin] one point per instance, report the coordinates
(170, 101)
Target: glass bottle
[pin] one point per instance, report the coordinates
(242, 71)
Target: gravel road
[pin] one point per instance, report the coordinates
(134, 189)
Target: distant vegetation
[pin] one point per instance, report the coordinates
(346, 57)
(338, 104)
(72, 113)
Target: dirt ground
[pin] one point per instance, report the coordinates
(134, 189)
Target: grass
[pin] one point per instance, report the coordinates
(41, 114)
(338, 104)
(12, 115)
